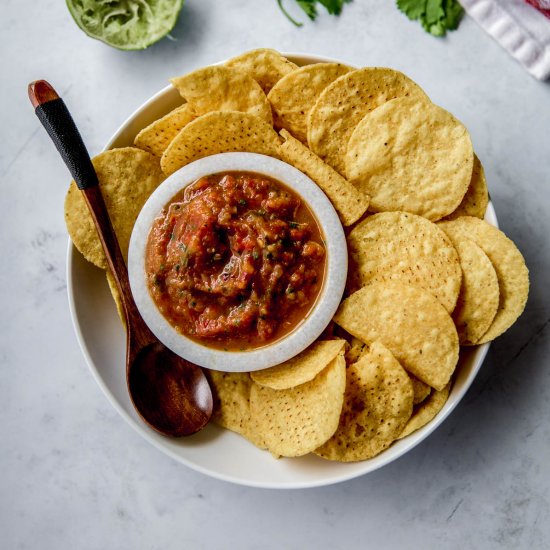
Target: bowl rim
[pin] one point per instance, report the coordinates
(343, 474)
(319, 315)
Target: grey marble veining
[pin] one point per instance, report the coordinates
(74, 475)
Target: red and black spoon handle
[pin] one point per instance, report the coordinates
(55, 117)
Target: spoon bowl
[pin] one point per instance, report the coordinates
(170, 394)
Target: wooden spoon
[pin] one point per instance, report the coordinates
(170, 394)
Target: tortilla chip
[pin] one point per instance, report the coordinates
(410, 322)
(265, 66)
(343, 104)
(512, 273)
(295, 421)
(300, 369)
(231, 394)
(411, 155)
(421, 390)
(295, 94)
(220, 132)
(426, 411)
(479, 295)
(396, 246)
(476, 199)
(127, 177)
(377, 406)
(156, 137)
(217, 88)
(348, 202)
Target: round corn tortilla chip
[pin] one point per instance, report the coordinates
(410, 322)
(156, 137)
(478, 300)
(220, 132)
(218, 88)
(411, 155)
(300, 369)
(397, 246)
(343, 104)
(476, 199)
(426, 411)
(350, 203)
(127, 177)
(377, 406)
(231, 393)
(295, 421)
(265, 66)
(512, 273)
(421, 390)
(295, 94)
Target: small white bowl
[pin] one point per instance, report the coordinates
(307, 330)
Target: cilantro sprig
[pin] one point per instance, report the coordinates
(436, 16)
(309, 7)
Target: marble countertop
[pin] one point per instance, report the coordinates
(72, 472)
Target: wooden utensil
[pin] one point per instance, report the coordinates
(170, 394)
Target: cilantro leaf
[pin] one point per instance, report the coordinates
(453, 14)
(334, 7)
(434, 11)
(413, 9)
(436, 16)
(309, 7)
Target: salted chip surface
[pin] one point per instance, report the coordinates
(397, 246)
(421, 390)
(295, 94)
(411, 155)
(127, 177)
(512, 273)
(218, 88)
(350, 204)
(478, 300)
(377, 406)
(343, 104)
(300, 369)
(264, 65)
(410, 322)
(295, 421)
(220, 132)
(476, 199)
(426, 411)
(231, 393)
(156, 137)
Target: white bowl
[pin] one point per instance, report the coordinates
(213, 451)
(322, 311)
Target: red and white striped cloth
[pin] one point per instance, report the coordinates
(519, 27)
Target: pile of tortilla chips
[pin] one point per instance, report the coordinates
(427, 274)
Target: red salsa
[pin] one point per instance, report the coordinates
(235, 260)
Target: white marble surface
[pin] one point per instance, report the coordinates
(74, 475)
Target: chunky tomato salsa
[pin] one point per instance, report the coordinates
(235, 260)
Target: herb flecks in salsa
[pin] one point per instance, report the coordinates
(235, 260)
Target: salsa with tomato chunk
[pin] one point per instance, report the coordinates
(235, 260)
